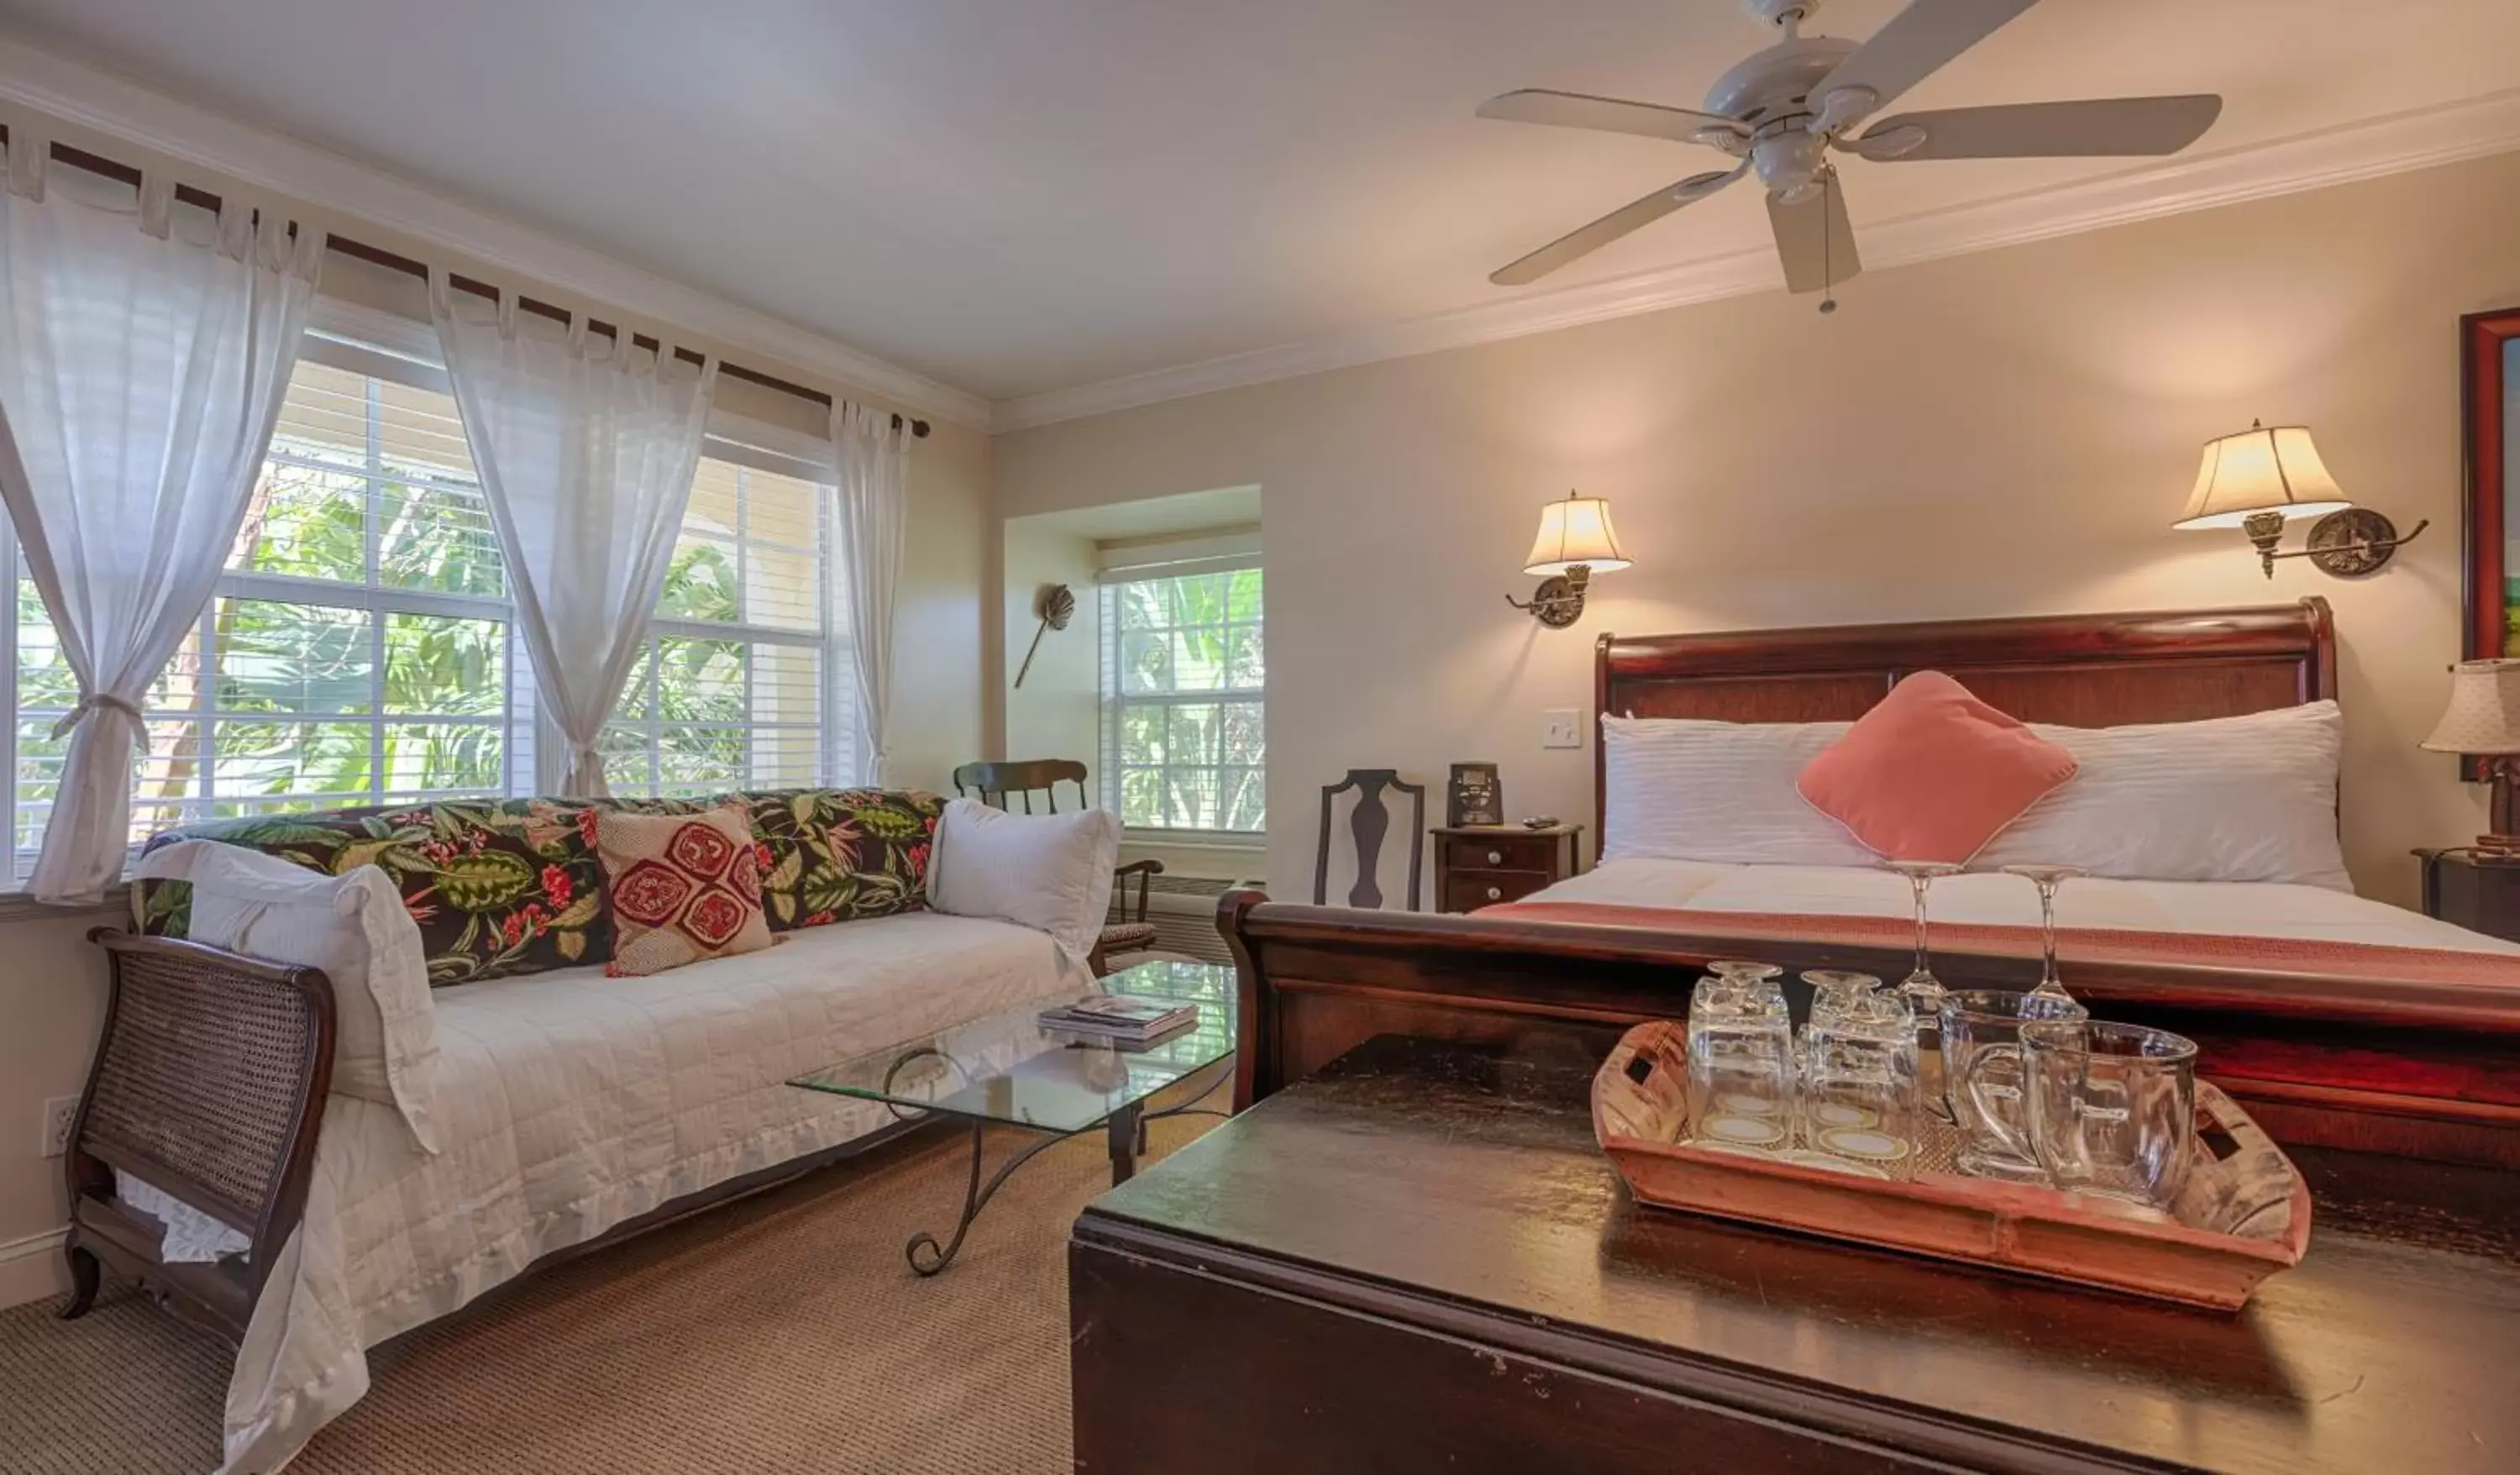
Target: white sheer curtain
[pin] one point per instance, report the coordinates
(874, 498)
(143, 360)
(586, 448)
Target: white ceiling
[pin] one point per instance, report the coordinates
(1024, 195)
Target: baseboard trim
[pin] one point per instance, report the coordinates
(31, 1267)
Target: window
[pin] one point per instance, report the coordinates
(741, 665)
(357, 651)
(1184, 671)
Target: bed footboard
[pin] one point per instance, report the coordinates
(2415, 1070)
(208, 1084)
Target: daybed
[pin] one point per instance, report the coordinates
(571, 1107)
(2333, 1018)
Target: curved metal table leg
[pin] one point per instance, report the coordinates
(975, 1197)
(1190, 1107)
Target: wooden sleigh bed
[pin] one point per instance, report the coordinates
(2407, 1066)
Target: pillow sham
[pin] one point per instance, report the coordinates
(2249, 798)
(1685, 788)
(684, 888)
(355, 928)
(1050, 872)
(1931, 772)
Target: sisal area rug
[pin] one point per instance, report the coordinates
(784, 1333)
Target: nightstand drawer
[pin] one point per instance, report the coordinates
(1469, 890)
(1502, 852)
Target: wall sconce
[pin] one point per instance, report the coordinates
(1576, 542)
(2262, 478)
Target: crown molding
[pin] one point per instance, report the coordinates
(2466, 130)
(341, 186)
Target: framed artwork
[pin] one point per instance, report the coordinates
(1475, 796)
(2490, 354)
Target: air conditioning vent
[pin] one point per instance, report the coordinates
(1183, 909)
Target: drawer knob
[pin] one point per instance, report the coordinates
(1496, 857)
(1495, 894)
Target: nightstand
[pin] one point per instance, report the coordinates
(1481, 865)
(2474, 889)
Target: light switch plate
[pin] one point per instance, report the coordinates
(1561, 727)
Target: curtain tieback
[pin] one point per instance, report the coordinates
(89, 701)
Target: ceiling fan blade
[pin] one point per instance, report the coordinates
(1814, 239)
(1604, 115)
(1917, 43)
(2125, 126)
(1586, 240)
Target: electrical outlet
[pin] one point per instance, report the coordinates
(59, 1114)
(1561, 727)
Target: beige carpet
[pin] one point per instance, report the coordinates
(784, 1333)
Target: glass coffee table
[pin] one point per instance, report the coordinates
(1007, 1071)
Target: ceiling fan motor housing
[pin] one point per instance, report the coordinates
(1773, 84)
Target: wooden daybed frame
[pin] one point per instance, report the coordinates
(2423, 1070)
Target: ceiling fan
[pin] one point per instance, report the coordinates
(1781, 110)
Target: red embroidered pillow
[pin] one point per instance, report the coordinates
(1931, 772)
(682, 889)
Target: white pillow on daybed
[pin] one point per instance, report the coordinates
(1050, 872)
(352, 926)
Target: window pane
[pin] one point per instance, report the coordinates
(1198, 660)
(786, 758)
(438, 539)
(694, 760)
(441, 666)
(1141, 796)
(1145, 663)
(783, 589)
(1189, 799)
(324, 416)
(420, 430)
(44, 679)
(787, 685)
(434, 757)
(305, 758)
(1244, 740)
(306, 521)
(1243, 802)
(1142, 734)
(629, 763)
(282, 657)
(1142, 605)
(1243, 596)
(1191, 734)
(700, 583)
(1245, 660)
(700, 680)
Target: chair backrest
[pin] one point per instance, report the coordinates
(1368, 822)
(1001, 784)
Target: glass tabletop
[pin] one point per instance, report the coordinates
(1006, 1068)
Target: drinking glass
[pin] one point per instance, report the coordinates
(2112, 1107)
(1920, 988)
(1858, 1094)
(1982, 1072)
(1740, 1056)
(1833, 991)
(2047, 879)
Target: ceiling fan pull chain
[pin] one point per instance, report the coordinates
(1827, 281)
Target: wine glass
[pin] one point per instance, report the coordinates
(1921, 990)
(2047, 879)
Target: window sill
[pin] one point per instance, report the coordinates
(1196, 839)
(16, 904)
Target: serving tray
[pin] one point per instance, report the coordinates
(2242, 1214)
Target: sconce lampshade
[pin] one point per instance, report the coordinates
(2261, 469)
(2483, 713)
(1575, 531)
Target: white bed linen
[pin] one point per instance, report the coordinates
(569, 1103)
(2227, 908)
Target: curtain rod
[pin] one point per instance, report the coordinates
(378, 256)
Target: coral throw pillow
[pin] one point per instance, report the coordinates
(684, 888)
(1931, 772)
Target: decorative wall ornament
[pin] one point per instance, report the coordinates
(1055, 606)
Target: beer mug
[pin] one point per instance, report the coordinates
(2112, 1107)
(1983, 1075)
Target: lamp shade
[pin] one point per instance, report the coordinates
(2484, 714)
(2261, 469)
(1575, 531)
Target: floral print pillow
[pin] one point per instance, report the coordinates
(831, 855)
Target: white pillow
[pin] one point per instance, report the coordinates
(1050, 872)
(1681, 788)
(353, 927)
(2227, 799)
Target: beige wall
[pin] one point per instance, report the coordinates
(1058, 711)
(2008, 432)
(938, 640)
(52, 996)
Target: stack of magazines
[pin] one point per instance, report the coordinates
(1121, 1018)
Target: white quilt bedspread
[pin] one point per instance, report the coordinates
(2227, 908)
(572, 1101)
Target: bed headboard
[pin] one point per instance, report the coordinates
(2078, 670)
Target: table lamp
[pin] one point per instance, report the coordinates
(2483, 719)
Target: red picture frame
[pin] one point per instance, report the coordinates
(2483, 525)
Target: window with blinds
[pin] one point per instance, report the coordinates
(739, 684)
(357, 651)
(1184, 701)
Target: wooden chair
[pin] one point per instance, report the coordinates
(1369, 822)
(1000, 784)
